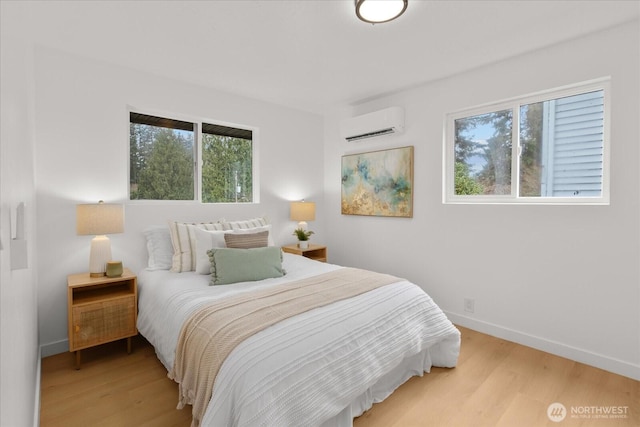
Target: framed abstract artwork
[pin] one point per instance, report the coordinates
(378, 183)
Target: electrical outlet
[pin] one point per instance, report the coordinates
(469, 305)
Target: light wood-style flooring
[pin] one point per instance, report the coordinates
(496, 383)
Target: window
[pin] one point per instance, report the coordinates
(163, 165)
(544, 148)
(226, 164)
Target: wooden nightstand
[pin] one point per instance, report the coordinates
(101, 310)
(316, 252)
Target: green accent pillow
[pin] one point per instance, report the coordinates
(244, 265)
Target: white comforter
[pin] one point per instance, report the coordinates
(323, 366)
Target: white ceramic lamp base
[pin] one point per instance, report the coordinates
(100, 255)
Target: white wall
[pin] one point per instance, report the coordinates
(19, 355)
(81, 135)
(564, 279)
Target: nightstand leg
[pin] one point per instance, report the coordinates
(77, 359)
(129, 345)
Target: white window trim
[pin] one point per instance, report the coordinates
(197, 157)
(448, 184)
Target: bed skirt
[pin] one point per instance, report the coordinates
(437, 355)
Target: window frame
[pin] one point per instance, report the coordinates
(514, 104)
(197, 156)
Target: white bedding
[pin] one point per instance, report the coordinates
(322, 367)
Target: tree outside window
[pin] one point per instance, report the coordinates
(162, 164)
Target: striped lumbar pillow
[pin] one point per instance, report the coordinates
(247, 240)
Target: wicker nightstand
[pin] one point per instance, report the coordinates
(101, 310)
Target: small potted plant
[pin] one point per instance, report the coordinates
(303, 237)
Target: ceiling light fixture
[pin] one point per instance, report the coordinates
(379, 11)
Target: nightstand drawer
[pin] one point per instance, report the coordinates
(101, 322)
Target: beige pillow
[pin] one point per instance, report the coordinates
(247, 240)
(249, 223)
(183, 240)
(270, 242)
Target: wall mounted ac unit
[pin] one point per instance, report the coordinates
(383, 122)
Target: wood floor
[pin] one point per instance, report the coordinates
(496, 383)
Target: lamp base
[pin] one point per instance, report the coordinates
(100, 255)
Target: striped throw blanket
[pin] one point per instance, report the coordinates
(213, 331)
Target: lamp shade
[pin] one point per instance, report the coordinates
(99, 219)
(303, 211)
(378, 11)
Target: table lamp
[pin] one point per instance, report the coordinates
(99, 219)
(302, 212)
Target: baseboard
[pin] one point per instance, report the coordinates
(57, 347)
(600, 361)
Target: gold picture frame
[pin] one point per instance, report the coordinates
(378, 183)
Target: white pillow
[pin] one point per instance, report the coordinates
(159, 247)
(205, 240)
(270, 242)
(184, 243)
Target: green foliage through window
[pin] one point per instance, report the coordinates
(464, 183)
(162, 164)
(226, 169)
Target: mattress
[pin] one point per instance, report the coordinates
(322, 367)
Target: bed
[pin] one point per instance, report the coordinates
(320, 367)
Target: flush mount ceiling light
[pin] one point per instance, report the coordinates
(379, 11)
